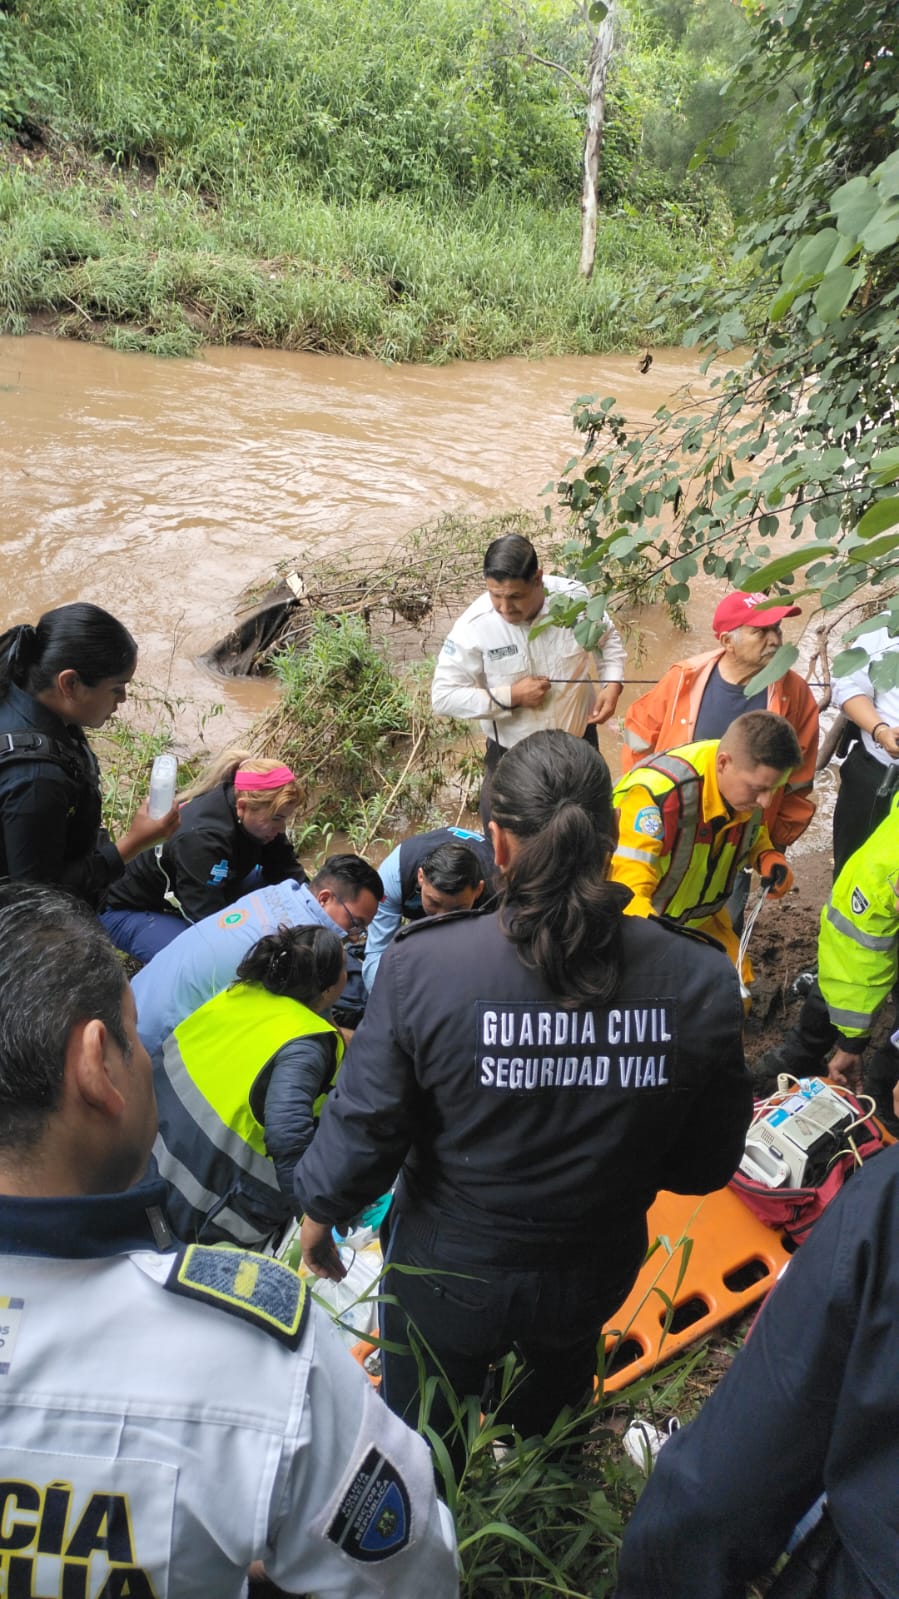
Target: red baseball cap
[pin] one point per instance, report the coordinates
(745, 610)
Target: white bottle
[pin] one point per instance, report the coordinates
(163, 778)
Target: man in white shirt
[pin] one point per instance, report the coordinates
(869, 776)
(493, 667)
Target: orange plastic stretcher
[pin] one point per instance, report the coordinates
(714, 1259)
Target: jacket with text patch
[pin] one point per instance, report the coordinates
(521, 1118)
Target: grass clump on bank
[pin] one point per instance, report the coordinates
(397, 178)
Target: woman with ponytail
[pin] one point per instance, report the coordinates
(535, 1075)
(69, 673)
(233, 824)
(239, 1084)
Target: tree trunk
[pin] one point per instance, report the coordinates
(600, 56)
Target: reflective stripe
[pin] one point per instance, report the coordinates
(205, 1201)
(634, 741)
(879, 941)
(626, 854)
(204, 1116)
(850, 1018)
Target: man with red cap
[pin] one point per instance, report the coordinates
(699, 698)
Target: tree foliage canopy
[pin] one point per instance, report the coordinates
(790, 465)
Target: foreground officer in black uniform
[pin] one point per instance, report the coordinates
(811, 1404)
(538, 1074)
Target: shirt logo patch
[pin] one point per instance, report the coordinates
(373, 1518)
(449, 647)
(219, 874)
(502, 650)
(649, 821)
(232, 918)
(858, 902)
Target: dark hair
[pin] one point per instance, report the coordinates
(79, 638)
(296, 962)
(349, 872)
(450, 868)
(57, 968)
(553, 792)
(760, 738)
(511, 558)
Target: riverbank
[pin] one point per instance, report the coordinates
(124, 257)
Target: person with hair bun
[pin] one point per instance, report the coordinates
(535, 1075)
(233, 822)
(238, 1085)
(69, 673)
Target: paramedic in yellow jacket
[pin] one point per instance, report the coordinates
(691, 818)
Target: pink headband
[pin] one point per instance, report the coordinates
(278, 778)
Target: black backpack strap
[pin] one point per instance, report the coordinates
(30, 746)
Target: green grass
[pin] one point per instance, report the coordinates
(153, 267)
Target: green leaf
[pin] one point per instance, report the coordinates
(874, 550)
(884, 673)
(883, 229)
(885, 467)
(780, 662)
(818, 252)
(847, 661)
(878, 517)
(836, 290)
(886, 176)
(854, 205)
(784, 566)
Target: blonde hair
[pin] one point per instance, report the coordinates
(224, 768)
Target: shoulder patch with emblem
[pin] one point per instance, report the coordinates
(648, 820)
(449, 647)
(858, 902)
(374, 1517)
(254, 1287)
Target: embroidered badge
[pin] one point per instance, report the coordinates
(449, 647)
(219, 874)
(464, 832)
(858, 902)
(254, 1287)
(373, 1518)
(10, 1320)
(500, 653)
(649, 821)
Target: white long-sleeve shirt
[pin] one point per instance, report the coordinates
(483, 655)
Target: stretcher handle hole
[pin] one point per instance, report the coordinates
(747, 1275)
(685, 1314)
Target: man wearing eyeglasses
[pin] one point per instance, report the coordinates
(344, 896)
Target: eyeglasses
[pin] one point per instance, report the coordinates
(355, 925)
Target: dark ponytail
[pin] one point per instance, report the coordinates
(81, 638)
(553, 792)
(294, 963)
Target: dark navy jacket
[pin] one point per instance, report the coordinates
(50, 814)
(207, 861)
(530, 1130)
(810, 1404)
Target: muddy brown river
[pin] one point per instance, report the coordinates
(159, 489)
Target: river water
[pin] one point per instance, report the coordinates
(159, 489)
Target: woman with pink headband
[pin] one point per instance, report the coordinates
(233, 823)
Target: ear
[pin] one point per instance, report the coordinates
(478, 891)
(723, 760)
(68, 684)
(240, 805)
(88, 1069)
(419, 877)
(502, 845)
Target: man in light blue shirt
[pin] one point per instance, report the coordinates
(203, 960)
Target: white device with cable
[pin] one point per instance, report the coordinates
(793, 1137)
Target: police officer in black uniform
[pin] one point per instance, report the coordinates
(538, 1074)
(446, 869)
(68, 673)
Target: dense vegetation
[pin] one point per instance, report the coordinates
(814, 403)
(396, 177)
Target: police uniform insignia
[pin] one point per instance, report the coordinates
(255, 1287)
(648, 820)
(218, 874)
(858, 902)
(449, 648)
(373, 1519)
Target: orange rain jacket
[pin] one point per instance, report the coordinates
(666, 717)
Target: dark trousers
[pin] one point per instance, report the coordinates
(461, 1316)
(494, 753)
(867, 791)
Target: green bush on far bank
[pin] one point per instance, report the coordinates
(156, 268)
